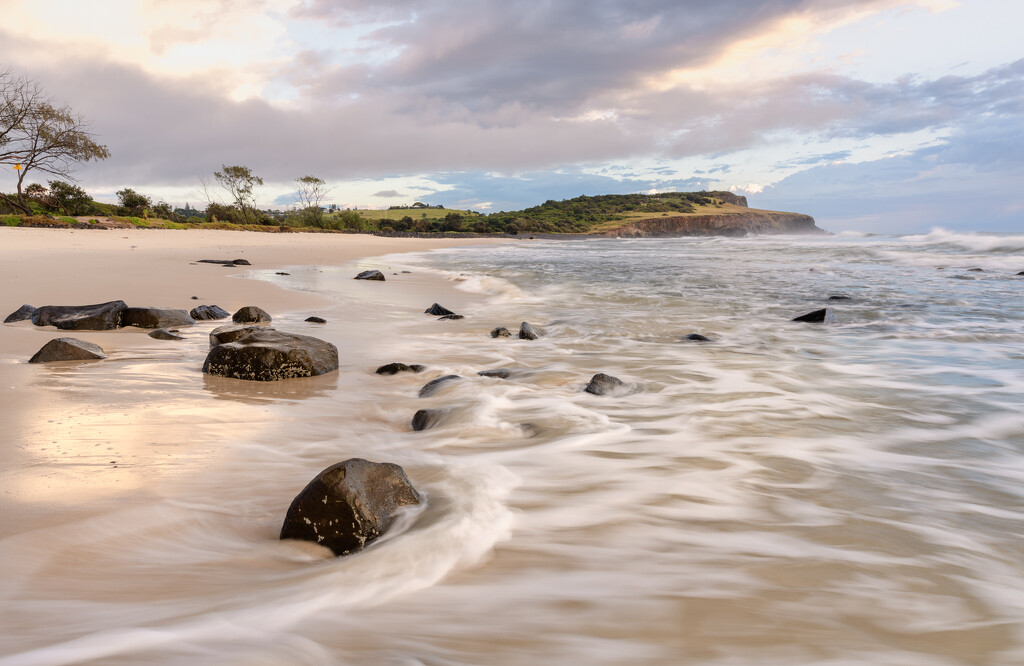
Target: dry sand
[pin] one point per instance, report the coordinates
(82, 438)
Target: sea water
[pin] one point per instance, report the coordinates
(784, 493)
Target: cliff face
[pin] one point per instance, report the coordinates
(751, 222)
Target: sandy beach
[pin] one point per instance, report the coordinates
(88, 436)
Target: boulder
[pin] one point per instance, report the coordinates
(98, 317)
(425, 419)
(499, 373)
(316, 320)
(164, 334)
(155, 317)
(1021, 273)
(21, 314)
(370, 275)
(434, 385)
(265, 355)
(824, 315)
(208, 313)
(696, 337)
(438, 310)
(281, 273)
(348, 505)
(501, 332)
(225, 262)
(67, 349)
(395, 368)
(230, 333)
(250, 314)
(602, 384)
(528, 331)
(451, 316)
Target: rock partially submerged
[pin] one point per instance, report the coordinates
(434, 385)
(824, 315)
(164, 334)
(834, 298)
(602, 384)
(98, 317)
(696, 337)
(370, 275)
(349, 504)
(225, 262)
(250, 314)
(208, 313)
(499, 373)
(265, 355)
(155, 317)
(21, 314)
(229, 333)
(425, 419)
(438, 310)
(451, 316)
(528, 331)
(315, 320)
(395, 368)
(67, 349)
(501, 332)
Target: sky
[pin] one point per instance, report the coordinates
(885, 116)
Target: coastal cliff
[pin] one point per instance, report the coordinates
(733, 220)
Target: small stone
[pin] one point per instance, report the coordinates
(433, 386)
(370, 275)
(501, 332)
(163, 334)
(818, 316)
(425, 419)
(499, 373)
(451, 316)
(250, 314)
(281, 273)
(839, 297)
(438, 310)
(316, 320)
(602, 384)
(68, 349)
(528, 331)
(395, 368)
(975, 270)
(696, 337)
(195, 298)
(208, 313)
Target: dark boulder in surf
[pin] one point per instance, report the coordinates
(501, 332)
(395, 368)
(528, 331)
(348, 505)
(67, 349)
(451, 316)
(434, 385)
(602, 384)
(225, 262)
(498, 373)
(370, 275)
(266, 355)
(834, 298)
(208, 313)
(438, 310)
(696, 337)
(98, 317)
(164, 334)
(21, 314)
(824, 315)
(250, 314)
(155, 317)
(316, 320)
(425, 419)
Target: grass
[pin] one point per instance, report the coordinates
(414, 213)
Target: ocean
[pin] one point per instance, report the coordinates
(782, 493)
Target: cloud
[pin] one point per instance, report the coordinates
(388, 194)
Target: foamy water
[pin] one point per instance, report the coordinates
(784, 494)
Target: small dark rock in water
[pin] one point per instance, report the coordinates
(21, 314)
(208, 313)
(163, 334)
(975, 270)
(229, 333)
(225, 262)
(697, 337)
(155, 317)
(434, 385)
(528, 331)
(1021, 273)
(99, 317)
(501, 332)
(839, 297)
(451, 316)
(437, 309)
(602, 384)
(281, 273)
(824, 315)
(395, 368)
(370, 275)
(250, 314)
(265, 355)
(407, 271)
(348, 505)
(67, 349)
(195, 298)
(425, 419)
(500, 373)
(316, 320)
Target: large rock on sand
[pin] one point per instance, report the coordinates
(98, 317)
(156, 318)
(230, 333)
(208, 313)
(250, 314)
(67, 349)
(266, 355)
(348, 505)
(21, 314)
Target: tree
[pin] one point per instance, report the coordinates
(71, 199)
(36, 135)
(239, 182)
(311, 192)
(134, 204)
